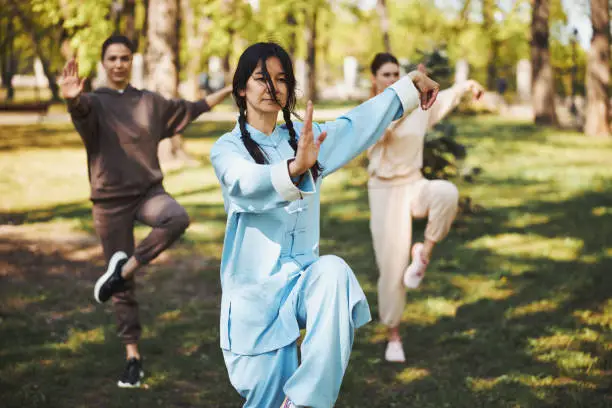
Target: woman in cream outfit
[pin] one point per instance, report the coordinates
(398, 192)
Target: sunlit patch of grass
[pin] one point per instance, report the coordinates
(475, 288)
(565, 349)
(170, 315)
(428, 311)
(78, 338)
(531, 246)
(411, 374)
(602, 317)
(540, 306)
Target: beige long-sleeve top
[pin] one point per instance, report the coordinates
(398, 156)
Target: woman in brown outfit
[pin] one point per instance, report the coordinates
(121, 127)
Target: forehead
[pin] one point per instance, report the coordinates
(118, 50)
(273, 66)
(388, 67)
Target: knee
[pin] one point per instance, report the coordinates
(179, 221)
(333, 269)
(447, 192)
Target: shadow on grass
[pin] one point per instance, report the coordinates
(487, 348)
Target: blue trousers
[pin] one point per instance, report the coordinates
(324, 303)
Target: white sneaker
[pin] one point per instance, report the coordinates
(416, 270)
(395, 352)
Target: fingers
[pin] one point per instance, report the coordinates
(422, 68)
(321, 139)
(431, 98)
(306, 138)
(81, 84)
(308, 121)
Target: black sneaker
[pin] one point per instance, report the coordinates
(111, 282)
(132, 374)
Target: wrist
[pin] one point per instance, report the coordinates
(416, 77)
(294, 169)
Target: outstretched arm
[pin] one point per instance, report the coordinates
(178, 113)
(449, 99)
(216, 98)
(360, 128)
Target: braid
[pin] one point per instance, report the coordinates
(316, 168)
(251, 145)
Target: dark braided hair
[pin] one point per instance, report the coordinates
(249, 60)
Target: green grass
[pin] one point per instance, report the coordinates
(515, 311)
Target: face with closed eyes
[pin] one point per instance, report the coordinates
(387, 75)
(257, 94)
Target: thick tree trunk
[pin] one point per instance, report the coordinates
(311, 55)
(36, 38)
(163, 64)
(129, 16)
(598, 72)
(7, 57)
(383, 15)
(543, 86)
(488, 25)
(197, 32)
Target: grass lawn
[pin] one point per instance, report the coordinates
(516, 310)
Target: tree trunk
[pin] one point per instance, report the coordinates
(598, 72)
(7, 57)
(36, 38)
(311, 55)
(163, 64)
(488, 25)
(292, 42)
(129, 16)
(197, 31)
(543, 86)
(383, 15)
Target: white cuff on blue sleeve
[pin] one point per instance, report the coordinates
(407, 92)
(284, 186)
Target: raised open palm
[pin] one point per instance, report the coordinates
(70, 84)
(308, 146)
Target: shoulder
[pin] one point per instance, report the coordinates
(229, 142)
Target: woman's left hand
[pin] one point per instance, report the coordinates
(476, 89)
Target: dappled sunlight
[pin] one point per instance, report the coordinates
(488, 384)
(411, 374)
(530, 246)
(20, 302)
(428, 311)
(541, 306)
(566, 349)
(476, 287)
(170, 315)
(77, 339)
(601, 317)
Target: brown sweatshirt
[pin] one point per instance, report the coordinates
(121, 131)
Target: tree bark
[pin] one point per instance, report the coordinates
(7, 57)
(488, 25)
(383, 15)
(198, 33)
(163, 64)
(598, 72)
(543, 86)
(311, 55)
(35, 36)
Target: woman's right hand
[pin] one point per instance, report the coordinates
(71, 85)
(308, 146)
(427, 87)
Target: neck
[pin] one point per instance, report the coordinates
(265, 122)
(117, 86)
